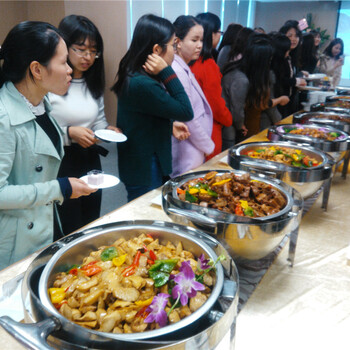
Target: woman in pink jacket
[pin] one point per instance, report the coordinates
(190, 153)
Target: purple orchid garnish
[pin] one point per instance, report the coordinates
(156, 309)
(203, 263)
(187, 286)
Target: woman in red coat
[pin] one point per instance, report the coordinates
(208, 75)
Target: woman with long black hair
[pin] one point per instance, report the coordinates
(246, 86)
(150, 98)
(293, 33)
(308, 57)
(227, 41)
(80, 112)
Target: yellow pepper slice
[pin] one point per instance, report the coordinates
(244, 204)
(221, 182)
(298, 151)
(295, 157)
(119, 260)
(57, 295)
(144, 302)
(193, 190)
(203, 191)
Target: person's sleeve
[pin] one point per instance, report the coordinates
(210, 82)
(100, 122)
(337, 76)
(152, 98)
(199, 137)
(65, 186)
(238, 93)
(20, 196)
(273, 114)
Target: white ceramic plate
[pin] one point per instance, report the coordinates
(315, 76)
(108, 181)
(110, 135)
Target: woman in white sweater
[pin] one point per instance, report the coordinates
(79, 113)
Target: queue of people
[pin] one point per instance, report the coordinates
(180, 102)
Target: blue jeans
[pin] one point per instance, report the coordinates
(156, 181)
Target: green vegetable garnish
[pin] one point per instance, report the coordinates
(190, 198)
(109, 253)
(160, 271)
(248, 212)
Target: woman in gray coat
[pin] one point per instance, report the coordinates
(34, 62)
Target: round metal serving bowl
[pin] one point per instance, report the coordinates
(216, 314)
(246, 238)
(339, 97)
(340, 121)
(305, 180)
(335, 149)
(330, 106)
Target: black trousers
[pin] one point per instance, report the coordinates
(75, 213)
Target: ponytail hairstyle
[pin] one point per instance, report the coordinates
(183, 25)
(27, 42)
(75, 30)
(211, 24)
(149, 31)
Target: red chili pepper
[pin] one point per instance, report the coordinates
(136, 259)
(152, 255)
(58, 306)
(149, 236)
(151, 262)
(73, 271)
(180, 191)
(142, 312)
(306, 161)
(129, 271)
(85, 267)
(92, 270)
(239, 210)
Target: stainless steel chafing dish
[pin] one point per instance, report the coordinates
(204, 331)
(329, 106)
(339, 121)
(305, 180)
(338, 149)
(246, 238)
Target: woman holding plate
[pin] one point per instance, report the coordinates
(80, 113)
(33, 62)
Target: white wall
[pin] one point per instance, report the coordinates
(272, 15)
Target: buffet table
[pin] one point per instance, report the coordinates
(302, 307)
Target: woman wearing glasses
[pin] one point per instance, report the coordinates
(208, 75)
(79, 113)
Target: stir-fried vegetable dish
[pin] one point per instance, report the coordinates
(320, 133)
(332, 117)
(285, 155)
(233, 194)
(340, 103)
(133, 286)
